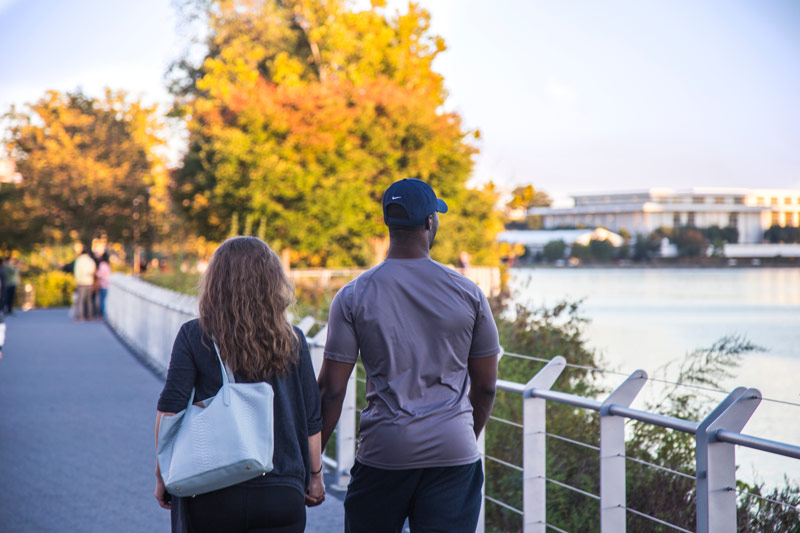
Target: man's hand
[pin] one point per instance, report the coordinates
(316, 490)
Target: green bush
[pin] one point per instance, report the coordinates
(554, 250)
(53, 289)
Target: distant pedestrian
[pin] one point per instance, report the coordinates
(84, 271)
(429, 346)
(2, 334)
(103, 275)
(2, 283)
(11, 270)
(243, 300)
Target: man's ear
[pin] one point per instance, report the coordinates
(429, 222)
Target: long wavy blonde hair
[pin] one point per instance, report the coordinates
(244, 294)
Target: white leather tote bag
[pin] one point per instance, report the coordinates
(228, 441)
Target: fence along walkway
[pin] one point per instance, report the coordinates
(145, 314)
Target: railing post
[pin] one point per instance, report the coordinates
(534, 447)
(346, 435)
(612, 454)
(481, 526)
(716, 461)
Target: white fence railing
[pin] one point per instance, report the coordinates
(148, 317)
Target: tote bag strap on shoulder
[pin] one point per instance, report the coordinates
(227, 379)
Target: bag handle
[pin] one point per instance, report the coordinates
(227, 378)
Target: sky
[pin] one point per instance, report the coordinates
(570, 96)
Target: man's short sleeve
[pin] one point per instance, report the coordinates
(342, 342)
(485, 341)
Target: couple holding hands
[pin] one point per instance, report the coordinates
(429, 346)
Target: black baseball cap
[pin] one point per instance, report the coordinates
(416, 197)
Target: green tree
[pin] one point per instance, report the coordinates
(554, 250)
(90, 166)
(690, 242)
(302, 113)
(646, 247)
(601, 250)
(579, 251)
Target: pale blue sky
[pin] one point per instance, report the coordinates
(569, 95)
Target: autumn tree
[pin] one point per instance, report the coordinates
(302, 113)
(89, 166)
(526, 197)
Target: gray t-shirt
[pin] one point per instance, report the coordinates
(416, 324)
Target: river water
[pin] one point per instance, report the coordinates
(644, 318)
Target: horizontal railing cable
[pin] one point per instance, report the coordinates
(502, 504)
(795, 508)
(528, 357)
(785, 402)
(554, 528)
(504, 463)
(504, 421)
(576, 442)
(570, 487)
(656, 520)
(657, 467)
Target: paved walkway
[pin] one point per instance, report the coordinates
(77, 412)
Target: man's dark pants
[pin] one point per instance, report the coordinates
(439, 499)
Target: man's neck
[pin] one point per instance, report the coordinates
(411, 250)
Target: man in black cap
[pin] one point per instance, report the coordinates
(429, 347)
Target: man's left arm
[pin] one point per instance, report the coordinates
(483, 384)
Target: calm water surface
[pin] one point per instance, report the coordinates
(646, 318)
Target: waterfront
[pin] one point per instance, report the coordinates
(646, 318)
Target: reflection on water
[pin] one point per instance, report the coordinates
(646, 318)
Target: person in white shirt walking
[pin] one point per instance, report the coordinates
(84, 271)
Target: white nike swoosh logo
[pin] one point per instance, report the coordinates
(396, 197)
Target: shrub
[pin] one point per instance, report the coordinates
(554, 250)
(601, 250)
(53, 289)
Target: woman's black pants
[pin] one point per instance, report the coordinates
(270, 509)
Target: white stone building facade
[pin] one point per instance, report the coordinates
(751, 211)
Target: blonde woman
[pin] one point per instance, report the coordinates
(243, 299)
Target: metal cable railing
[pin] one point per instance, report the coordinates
(570, 487)
(793, 507)
(504, 421)
(571, 441)
(504, 463)
(654, 519)
(657, 467)
(503, 505)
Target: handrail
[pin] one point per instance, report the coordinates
(757, 443)
(663, 421)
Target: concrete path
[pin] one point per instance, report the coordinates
(76, 432)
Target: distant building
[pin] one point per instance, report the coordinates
(535, 240)
(751, 211)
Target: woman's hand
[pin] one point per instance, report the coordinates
(316, 490)
(161, 494)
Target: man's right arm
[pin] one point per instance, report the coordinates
(483, 383)
(341, 354)
(332, 382)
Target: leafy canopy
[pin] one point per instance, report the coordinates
(303, 112)
(90, 166)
